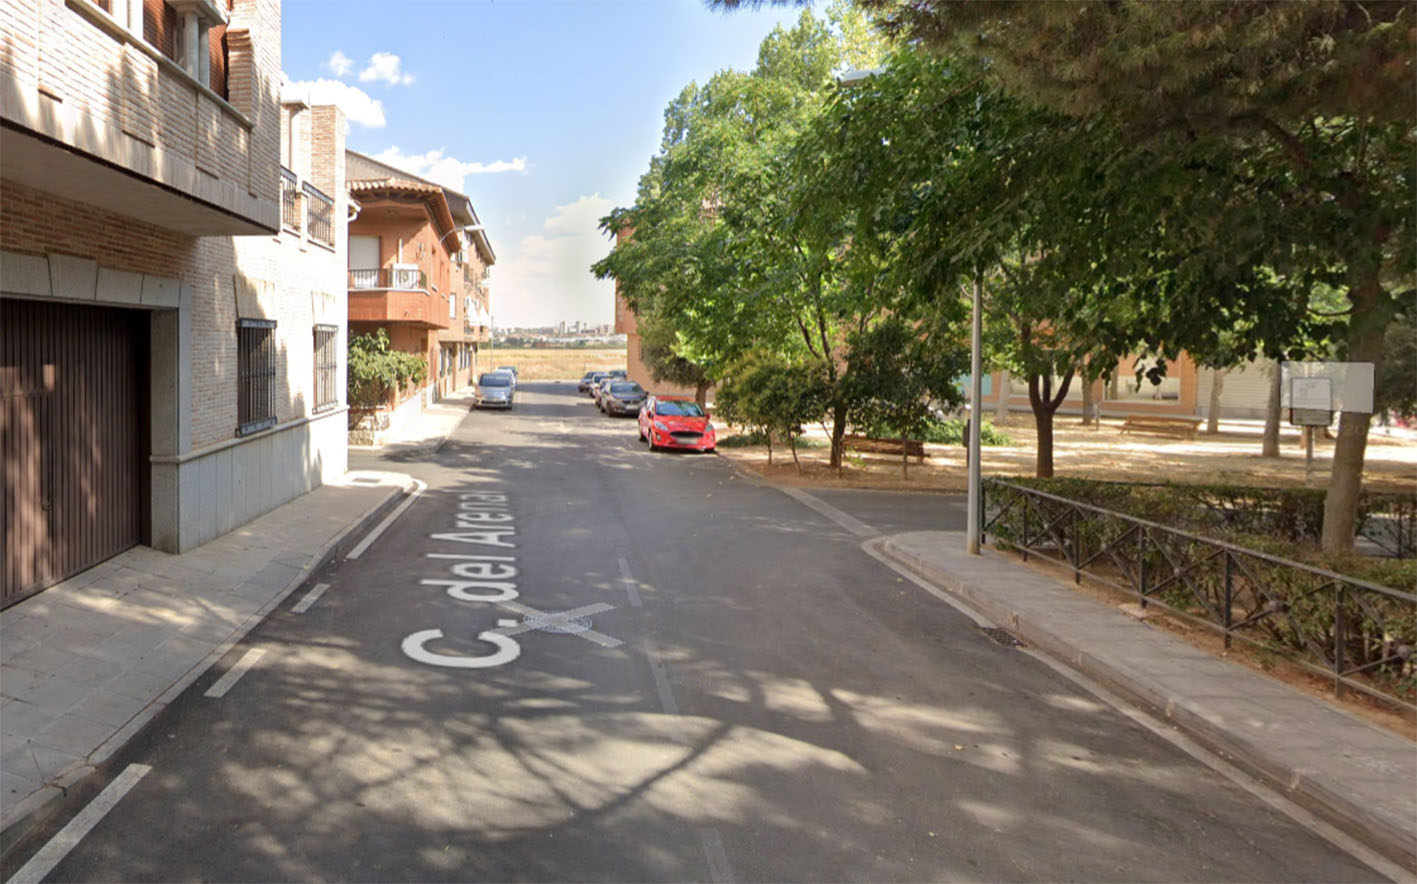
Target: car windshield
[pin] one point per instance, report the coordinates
(672, 408)
(630, 389)
(588, 375)
(494, 380)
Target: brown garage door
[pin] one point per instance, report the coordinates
(73, 438)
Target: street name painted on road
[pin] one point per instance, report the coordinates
(484, 519)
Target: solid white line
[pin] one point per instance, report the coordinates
(845, 520)
(223, 684)
(51, 854)
(720, 872)
(661, 680)
(629, 583)
(315, 592)
(388, 520)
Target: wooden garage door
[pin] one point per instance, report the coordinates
(73, 438)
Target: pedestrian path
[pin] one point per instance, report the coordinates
(1357, 776)
(87, 663)
(428, 429)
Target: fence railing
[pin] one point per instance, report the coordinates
(290, 214)
(389, 278)
(320, 211)
(1355, 634)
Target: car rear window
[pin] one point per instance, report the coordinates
(495, 380)
(680, 409)
(623, 389)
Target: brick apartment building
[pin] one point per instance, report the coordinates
(172, 307)
(418, 266)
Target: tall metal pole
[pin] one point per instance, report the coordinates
(976, 414)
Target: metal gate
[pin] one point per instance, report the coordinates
(73, 435)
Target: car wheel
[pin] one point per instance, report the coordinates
(642, 435)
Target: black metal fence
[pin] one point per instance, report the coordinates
(320, 213)
(1356, 634)
(290, 214)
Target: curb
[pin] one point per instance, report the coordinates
(1316, 793)
(27, 815)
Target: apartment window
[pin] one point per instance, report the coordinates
(326, 367)
(256, 375)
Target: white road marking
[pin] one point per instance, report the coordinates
(720, 872)
(51, 854)
(629, 583)
(310, 598)
(388, 520)
(543, 619)
(845, 520)
(507, 649)
(233, 675)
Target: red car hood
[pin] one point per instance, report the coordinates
(682, 424)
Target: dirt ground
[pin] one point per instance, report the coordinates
(1231, 456)
(553, 365)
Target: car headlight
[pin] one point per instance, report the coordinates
(660, 426)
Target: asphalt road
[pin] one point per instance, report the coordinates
(724, 686)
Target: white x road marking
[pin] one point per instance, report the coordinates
(560, 621)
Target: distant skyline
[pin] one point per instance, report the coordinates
(544, 112)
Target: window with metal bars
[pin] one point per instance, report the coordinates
(256, 375)
(326, 367)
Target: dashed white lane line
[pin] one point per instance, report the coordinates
(51, 854)
(310, 598)
(845, 520)
(233, 675)
(630, 586)
(661, 680)
(388, 520)
(720, 872)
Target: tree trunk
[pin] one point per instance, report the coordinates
(904, 460)
(1217, 386)
(1001, 408)
(1044, 404)
(1365, 344)
(768, 434)
(838, 435)
(792, 440)
(1271, 412)
(701, 393)
(1087, 403)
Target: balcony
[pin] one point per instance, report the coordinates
(395, 294)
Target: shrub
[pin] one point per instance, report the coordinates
(375, 370)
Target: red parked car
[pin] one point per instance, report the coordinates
(673, 422)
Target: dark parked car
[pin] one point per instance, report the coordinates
(586, 380)
(623, 397)
(589, 383)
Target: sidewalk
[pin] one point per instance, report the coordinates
(1355, 775)
(426, 431)
(87, 663)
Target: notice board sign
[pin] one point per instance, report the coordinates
(1310, 402)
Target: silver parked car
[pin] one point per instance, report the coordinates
(496, 389)
(623, 397)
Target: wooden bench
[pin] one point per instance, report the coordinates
(1163, 424)
(909, 447)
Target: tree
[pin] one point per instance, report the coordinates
(1287, 127)
(772, 395)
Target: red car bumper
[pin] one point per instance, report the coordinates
(706, 442)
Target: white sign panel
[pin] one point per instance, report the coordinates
(1311, 393)
(1350, 385)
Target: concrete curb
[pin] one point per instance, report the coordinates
(25, 816)
(1313, 790)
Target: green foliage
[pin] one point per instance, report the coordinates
(375, 370)
(770, 395)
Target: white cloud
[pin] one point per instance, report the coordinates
(357, 105)
(546, 277)
(387, 67)
(436, 165)
(339, 64)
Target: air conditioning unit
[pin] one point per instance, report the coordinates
(405, 276)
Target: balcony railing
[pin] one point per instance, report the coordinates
(290, 214)
(389, 278)
(321, 212)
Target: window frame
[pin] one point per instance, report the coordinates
(256, 375)
(326, 368)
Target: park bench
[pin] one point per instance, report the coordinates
(1163, 424)
(909, 447)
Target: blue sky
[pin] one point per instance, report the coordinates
(544, 112)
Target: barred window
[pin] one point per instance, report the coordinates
(326, 367)
(256, 375)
